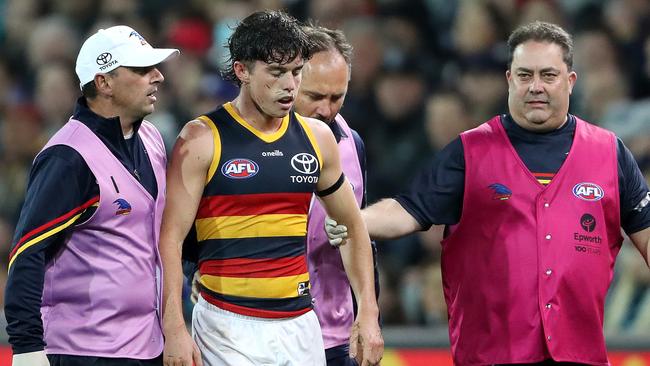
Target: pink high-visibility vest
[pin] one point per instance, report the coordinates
(527, 268)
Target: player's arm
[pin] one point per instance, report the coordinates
(641, 241)
(339, 201)
(186, 177)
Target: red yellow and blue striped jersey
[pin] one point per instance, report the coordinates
(251, 222)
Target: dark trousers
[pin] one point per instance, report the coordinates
(340, 356)
(68, 360)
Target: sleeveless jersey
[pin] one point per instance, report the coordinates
(251, 222)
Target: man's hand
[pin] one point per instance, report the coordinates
(336, 234)
(180, 349)
(366, 342)
(37, 358)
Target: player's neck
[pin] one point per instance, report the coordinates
(250, 112)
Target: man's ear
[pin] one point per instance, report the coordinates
(104, 84)
(241, 71)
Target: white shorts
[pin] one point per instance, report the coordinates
(227, 338)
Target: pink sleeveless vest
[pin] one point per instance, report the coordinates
(330, 287)
(526, 270)
(102, 292)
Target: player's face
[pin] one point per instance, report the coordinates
(539, 86)
(134, 91)
(273, 86)
(324, 85)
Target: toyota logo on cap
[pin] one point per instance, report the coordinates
(104, 58)
(304, 163)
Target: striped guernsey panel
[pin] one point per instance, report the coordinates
(252, 220)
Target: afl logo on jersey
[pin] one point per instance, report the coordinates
(304, 163)
(239, 168)
(588, 191)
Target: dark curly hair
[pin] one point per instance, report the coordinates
(270, 36)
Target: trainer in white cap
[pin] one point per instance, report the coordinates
(117, 46)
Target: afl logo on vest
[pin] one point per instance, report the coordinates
(239, 168)
(588, 191)
(306, 164)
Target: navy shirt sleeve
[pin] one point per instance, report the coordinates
(60, 190)
(633, 189)
(435, 196)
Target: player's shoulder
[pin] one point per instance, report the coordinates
(197, 128)
(314, 123)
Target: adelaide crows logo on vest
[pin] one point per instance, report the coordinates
(123, 207)
(239, 168)
(501, 192)
(588, 191)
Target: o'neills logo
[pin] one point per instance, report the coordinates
(588, 191)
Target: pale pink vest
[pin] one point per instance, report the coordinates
(330, 288)
(526, 270)
(102, 292)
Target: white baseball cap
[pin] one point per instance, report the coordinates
(117, 46)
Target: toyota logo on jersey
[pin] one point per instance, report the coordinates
(588, 191)
(304, 163)
(239, 168)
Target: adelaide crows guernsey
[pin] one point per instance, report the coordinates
(251, 222)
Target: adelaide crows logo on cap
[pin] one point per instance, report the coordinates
(501, 192)
(123, 207)
(138, 36)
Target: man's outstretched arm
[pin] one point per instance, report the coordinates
(385, 220)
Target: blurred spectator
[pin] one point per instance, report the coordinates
(55, 92)
(544, 10)
(21, 137)
(421, 292)
(447, 115)
(6, 231)
(482, 82)
(53, 39)
(396, 145)
(368, 54)
(628, 301)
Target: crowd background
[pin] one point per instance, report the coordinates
(423, 71)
